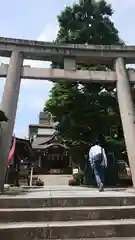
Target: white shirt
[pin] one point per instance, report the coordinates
(96, 149)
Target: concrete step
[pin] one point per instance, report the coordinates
(66, 230)
(66, 201)
(115, 238)
(66, 214)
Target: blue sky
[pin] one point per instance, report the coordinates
(37, 20)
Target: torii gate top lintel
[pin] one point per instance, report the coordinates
(49, 51)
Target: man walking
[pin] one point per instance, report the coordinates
(98, 161)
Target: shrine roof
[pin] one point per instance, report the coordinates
(24, 148)
(41, 125)
(45, 146)
(40, 140)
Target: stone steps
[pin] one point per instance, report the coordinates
(112, 238)
(66, 214)
(24, 202)
(115, 238)
(65, 230)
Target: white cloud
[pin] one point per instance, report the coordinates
(48, 35)
(33, 93)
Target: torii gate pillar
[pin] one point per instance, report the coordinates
(9, 106)
(127, 112)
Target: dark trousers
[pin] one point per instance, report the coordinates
(99, 174)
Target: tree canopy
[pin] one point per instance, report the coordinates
(85, 111)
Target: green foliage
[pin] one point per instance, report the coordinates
(85, 111)
(87, 22)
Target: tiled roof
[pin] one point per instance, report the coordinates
(40, 140)
(45, 146)
(41, 125)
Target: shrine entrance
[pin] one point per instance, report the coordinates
(54, 159)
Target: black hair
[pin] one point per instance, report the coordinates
(97, 142)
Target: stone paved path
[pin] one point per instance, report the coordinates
(55, 179)
(66, 191)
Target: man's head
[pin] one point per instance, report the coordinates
(97, 142)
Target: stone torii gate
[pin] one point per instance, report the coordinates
(18, 50)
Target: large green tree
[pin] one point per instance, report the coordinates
(84, 111)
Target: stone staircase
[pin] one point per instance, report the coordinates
(63, 217)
